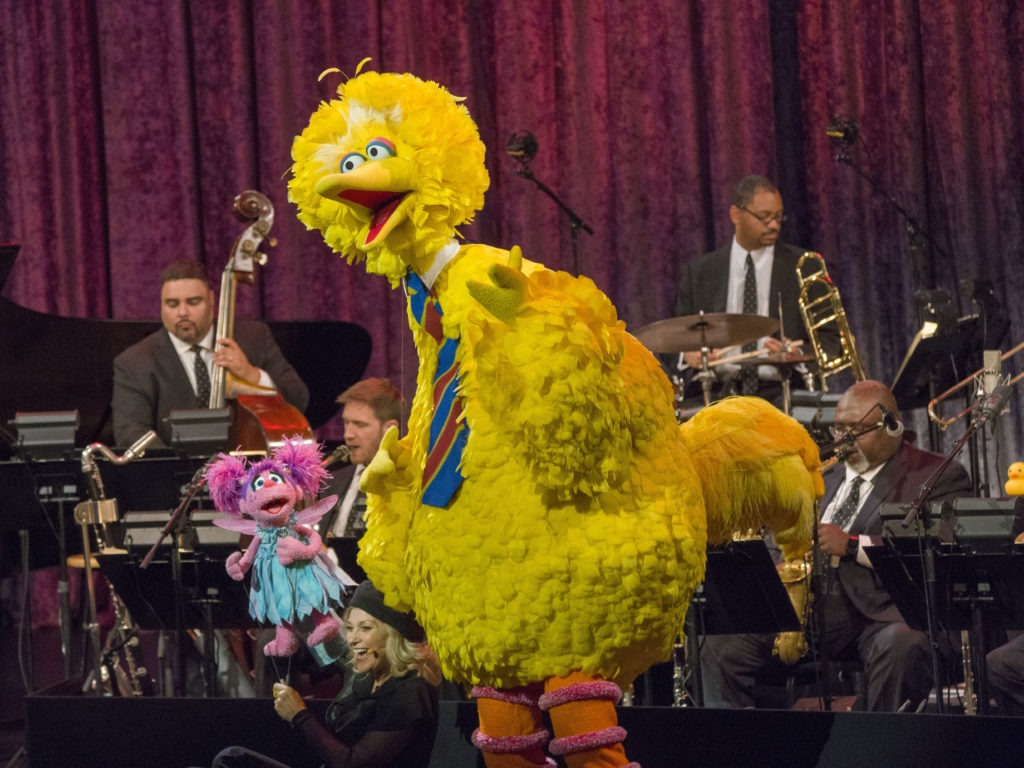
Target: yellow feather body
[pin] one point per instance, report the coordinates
(576, 538)
(578, 534)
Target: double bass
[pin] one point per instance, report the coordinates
(261, 419)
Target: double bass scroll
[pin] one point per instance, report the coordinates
(260, 417)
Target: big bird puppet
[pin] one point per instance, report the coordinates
(545, 516)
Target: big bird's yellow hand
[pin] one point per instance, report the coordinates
(508, 290)
(389, 468)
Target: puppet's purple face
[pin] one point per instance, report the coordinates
(269, 499)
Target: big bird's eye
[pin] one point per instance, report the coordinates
(380, 149)
(351, 161)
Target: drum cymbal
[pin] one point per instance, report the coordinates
(721, 329)
(776, 358)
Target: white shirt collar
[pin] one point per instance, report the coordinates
(441, 260)
(183, 346)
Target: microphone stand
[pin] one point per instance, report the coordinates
(177, 524)
(915, 232)
(575, 222)
(923, 520)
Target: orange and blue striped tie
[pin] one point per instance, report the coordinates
(442, 475)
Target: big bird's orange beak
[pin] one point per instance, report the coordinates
(377, 189)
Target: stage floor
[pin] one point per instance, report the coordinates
(59, 726)
(76, 730)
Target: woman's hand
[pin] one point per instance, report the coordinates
(287, 702)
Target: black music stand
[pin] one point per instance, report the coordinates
(934, 363)
(973, 580)
(46, 475)
(741, 593)
(30, 486)
(212, 599)
(200, 431)
(176, 592)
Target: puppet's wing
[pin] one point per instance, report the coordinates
(312, 514)
(239, 525)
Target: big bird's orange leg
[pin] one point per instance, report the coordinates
(511, 734)
(583, 717)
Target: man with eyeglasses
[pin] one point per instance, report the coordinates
(861, 621)
(718, 282)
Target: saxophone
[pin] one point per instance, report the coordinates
(98, 512)
(791, 646)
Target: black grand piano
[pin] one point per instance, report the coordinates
(53, 363)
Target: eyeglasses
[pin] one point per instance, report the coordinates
(765, 218)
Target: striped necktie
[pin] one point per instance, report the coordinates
(448, 430)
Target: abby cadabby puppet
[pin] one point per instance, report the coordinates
(294, 584)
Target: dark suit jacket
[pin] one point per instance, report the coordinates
(338, 484)
(150, 380)
(705, 283)
(898, 482)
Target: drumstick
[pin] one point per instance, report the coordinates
(752, 353)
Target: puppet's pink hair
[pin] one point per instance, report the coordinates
(225, 479)
(302, 461)
(297, 460)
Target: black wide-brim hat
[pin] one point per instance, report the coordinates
(370, 599)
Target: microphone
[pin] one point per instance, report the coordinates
(340, 455)
(993, 367)
(522, 146)
(842, 129)
(993, 405)
(893, 426)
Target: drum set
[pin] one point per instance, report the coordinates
(705, 332)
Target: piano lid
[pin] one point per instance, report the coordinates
(54, 363)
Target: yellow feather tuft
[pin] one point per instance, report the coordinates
(758, 467)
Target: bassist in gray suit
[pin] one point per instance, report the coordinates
(166, 370)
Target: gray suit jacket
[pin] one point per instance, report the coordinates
(898, 482)
(150, 381)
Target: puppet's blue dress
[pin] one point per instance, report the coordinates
(287, 593)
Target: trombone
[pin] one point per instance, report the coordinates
(821, 306)
(944, 424)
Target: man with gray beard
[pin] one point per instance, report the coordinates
(861, 621)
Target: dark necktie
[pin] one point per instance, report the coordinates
(202, 378)
(848, 508)
(748, 373)
(355, 526)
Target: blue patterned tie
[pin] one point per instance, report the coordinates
(448, 430)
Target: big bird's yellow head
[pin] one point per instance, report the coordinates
(388, 171)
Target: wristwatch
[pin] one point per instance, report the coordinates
(852, 546)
